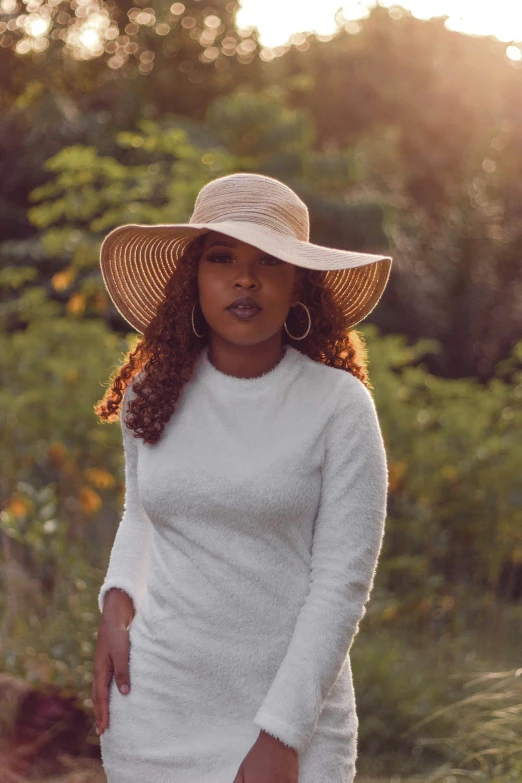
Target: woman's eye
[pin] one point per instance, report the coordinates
(216, 256)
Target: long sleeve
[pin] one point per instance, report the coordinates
(129, 558)
(347, 540)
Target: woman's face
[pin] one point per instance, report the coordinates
(228, 269)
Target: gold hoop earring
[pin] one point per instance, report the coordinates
(193, 327)
(309, 323)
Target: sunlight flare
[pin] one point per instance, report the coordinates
(278, 20)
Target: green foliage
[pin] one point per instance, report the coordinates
(459, 277)
(437, 90)
(397, 684)
(261, 125)
(98, 192)
(455, 460)
(62, 486)
(90, 193)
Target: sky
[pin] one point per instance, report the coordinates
(277, 20)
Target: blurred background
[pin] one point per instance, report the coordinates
(401, 129)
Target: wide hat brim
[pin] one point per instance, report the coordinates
(138, 260)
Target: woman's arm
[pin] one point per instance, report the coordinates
(346, 545)
(129, 558)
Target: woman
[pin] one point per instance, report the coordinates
(256, 483)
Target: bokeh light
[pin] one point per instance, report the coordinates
(514, 53)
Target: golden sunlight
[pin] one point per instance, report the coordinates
(278, 20)
(280, 23)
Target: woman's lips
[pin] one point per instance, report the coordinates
(244, 313)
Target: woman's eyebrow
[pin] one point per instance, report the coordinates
(226, 243)
(221, 242)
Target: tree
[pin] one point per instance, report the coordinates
(440, 90)
(459, 276)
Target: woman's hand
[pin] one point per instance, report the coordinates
(112, 653)
(268, 761)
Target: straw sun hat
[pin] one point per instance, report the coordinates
(138, 260)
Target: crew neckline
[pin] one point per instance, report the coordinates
(258, 382)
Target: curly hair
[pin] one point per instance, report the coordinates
(167, 354)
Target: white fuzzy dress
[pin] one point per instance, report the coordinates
(249, 544)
